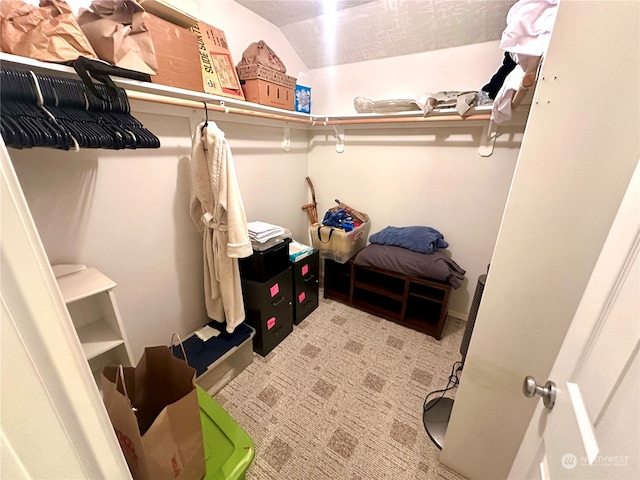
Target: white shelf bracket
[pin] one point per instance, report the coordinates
(286, 140)
(340, 137)
(488, 140)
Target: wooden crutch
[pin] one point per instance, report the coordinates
(311, 208)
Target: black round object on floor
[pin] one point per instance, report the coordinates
(436, 419)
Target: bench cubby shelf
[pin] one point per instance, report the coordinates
(414, 302)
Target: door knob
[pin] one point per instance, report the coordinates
(548, 393)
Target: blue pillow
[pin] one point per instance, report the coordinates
(416, 239)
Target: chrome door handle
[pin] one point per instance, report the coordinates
(548, 393)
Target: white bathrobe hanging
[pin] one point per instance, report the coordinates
(218, 212)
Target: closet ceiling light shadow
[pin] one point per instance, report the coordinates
(375, 29)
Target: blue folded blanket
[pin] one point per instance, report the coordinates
(416, 239)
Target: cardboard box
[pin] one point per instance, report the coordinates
(266, 86)
(219, 75)
(257, 71)
(183, 13)
(268, 93)
(303, 99)
(177, 55)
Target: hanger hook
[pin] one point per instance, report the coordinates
(206, 116)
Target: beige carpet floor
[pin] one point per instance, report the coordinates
(341, 398)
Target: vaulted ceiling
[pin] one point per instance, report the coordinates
(334, 32)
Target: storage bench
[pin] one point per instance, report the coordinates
(416, 303)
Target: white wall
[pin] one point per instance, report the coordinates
(127, 213)
(407, 77)
(426, 176)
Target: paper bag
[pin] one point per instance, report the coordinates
(156, 416)
(260, 53)
(118, 34)
(49, 33)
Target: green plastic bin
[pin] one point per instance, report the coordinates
(228, 450)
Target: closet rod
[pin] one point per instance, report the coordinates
(150, 97)
(311, 121)
(436, 118)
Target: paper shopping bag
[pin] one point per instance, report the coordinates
(49, 33)
(154, 410)
(118, 34)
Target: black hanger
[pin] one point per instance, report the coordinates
(24, 123)
(51, 111)
(206, 118)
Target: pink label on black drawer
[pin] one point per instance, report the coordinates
(301, 297)
(305, 269)
(271, 323)
(274, 290)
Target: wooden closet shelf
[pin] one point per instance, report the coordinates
(380, 290)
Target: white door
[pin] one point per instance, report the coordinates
(593, 430)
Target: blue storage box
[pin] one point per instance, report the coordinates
(303, 99)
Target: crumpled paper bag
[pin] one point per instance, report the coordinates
(49, 33)
(260, 53)
(118, 34)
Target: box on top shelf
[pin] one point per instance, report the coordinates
(218, 72)
(336, 244)
(176, 53)
(303, 99)
(183, 13)
(266, 86)
(260, 72)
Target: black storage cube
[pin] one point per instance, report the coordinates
(265, 264)
(306, 271)
(269, 310)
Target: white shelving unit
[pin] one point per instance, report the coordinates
(91, 302)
